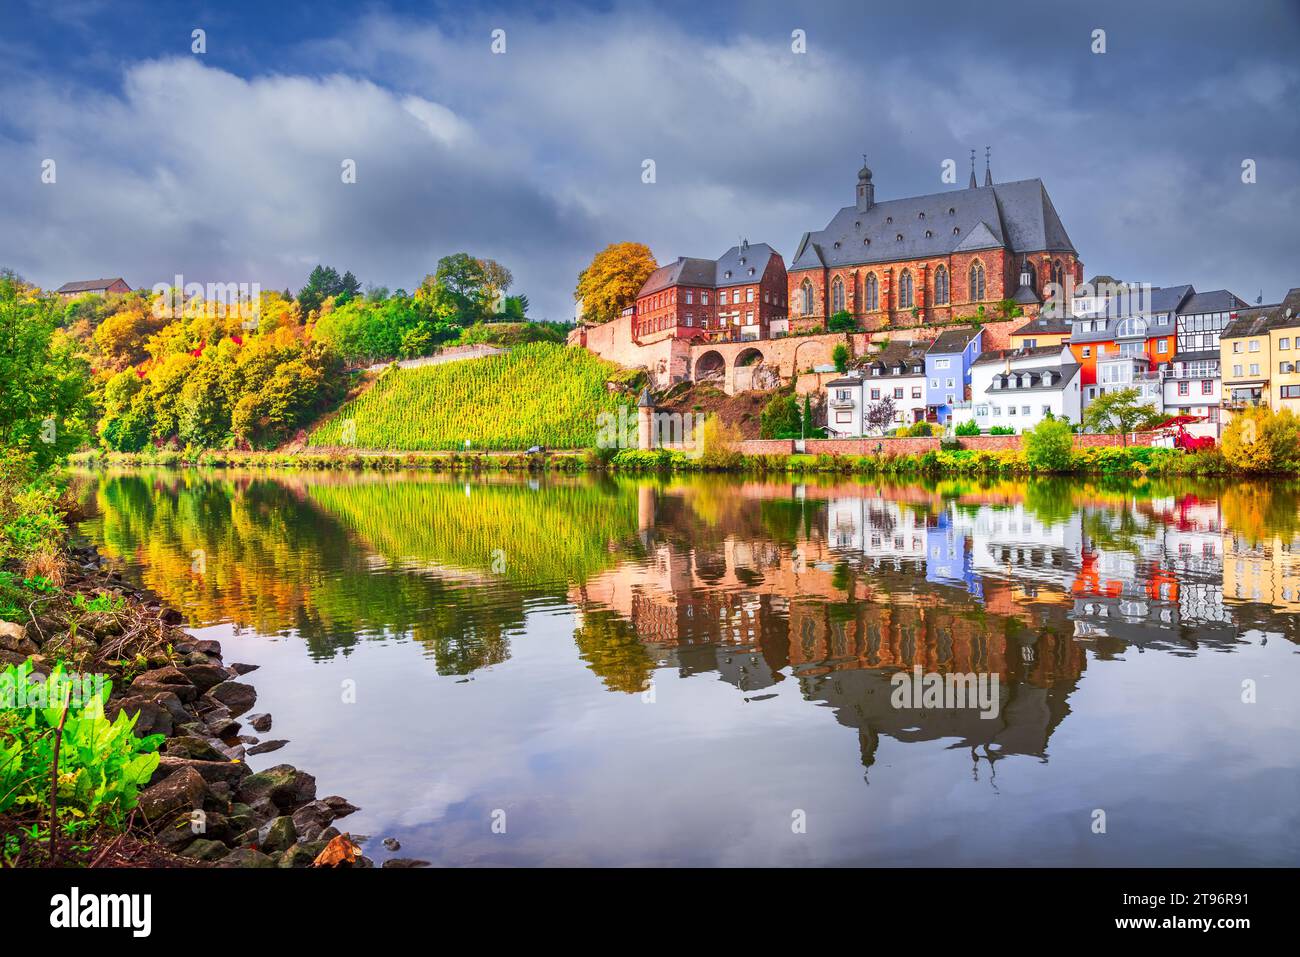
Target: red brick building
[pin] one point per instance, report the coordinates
(95, 287)
(733, 297)
(932, 258)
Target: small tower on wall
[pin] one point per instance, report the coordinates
(645, 421)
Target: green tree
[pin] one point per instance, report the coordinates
(841, 321)
(779, 418)
(45, 408)
(1049, 445)
(323, 283)
(1121, 411)
(840, 356)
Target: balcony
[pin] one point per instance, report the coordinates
(840, 403)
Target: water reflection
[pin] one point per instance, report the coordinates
(827, 588)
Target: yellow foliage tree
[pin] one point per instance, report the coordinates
(1258, 439)
(611, 282)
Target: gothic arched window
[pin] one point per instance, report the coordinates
(837, 295)
(871, 294)
(941, 285)
(976, 281)
(905, 290)
(807, 291)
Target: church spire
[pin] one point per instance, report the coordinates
(988, 172)
(973, 184)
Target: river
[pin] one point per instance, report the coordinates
(700, 670)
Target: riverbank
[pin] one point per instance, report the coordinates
(942, 460)
(153, 768)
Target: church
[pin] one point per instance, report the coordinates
(932, 259)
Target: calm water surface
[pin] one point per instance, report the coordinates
(676, 671)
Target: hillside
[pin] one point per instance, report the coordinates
(536, 394)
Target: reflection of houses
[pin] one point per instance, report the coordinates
(1266, 572)
(1014, 543)
(947, 559)
(875, 528)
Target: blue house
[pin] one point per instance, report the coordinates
(947, 370)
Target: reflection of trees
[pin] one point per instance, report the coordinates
(611, 649)
(258, 552)
(1256, 511)
(553, 534)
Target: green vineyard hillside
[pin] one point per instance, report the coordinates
(536, 394)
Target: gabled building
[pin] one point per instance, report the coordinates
(93, 287)
(734, 297)
(947, 370)
(1130, 343)
(1258, 352)
(1019, 388)
(896, 373)
(1043, 330)
(931, 258)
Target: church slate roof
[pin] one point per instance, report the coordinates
(1018, 215)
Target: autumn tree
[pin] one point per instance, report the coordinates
(610, 284)
(1257, 439)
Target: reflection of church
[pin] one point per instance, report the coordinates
(842, 587)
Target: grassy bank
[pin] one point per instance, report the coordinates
(1111, 460)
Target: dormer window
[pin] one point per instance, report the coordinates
(898, 238)
(920, 215)
(956, 230)
(727, 274)
(867, 241)
(742, 260)
(952, 211)
(837, 244)
(857, 224)
(928, 234)
(889, 220)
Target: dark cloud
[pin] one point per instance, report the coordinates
(226, 167)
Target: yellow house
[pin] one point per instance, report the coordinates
(1039, 332)
(1284, 346)
(1259, 357)
(1245, 348)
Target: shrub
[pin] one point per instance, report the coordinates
(840, 356)
(780, 418)
(1049, 445)
(919, 429)
(842, 321)
(1002, 430)
(1260, 440)
(968, 428)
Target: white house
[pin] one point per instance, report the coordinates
(1018, 388)
(1192, 387)
(896, 374)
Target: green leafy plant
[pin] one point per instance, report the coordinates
(841, 321)
(967, 428)
(101, 763)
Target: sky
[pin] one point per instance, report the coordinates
(226, 165)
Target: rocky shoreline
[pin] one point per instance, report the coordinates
(204, 806)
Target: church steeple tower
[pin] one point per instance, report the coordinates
(866, 191)
(988, 172)
(973, 184)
